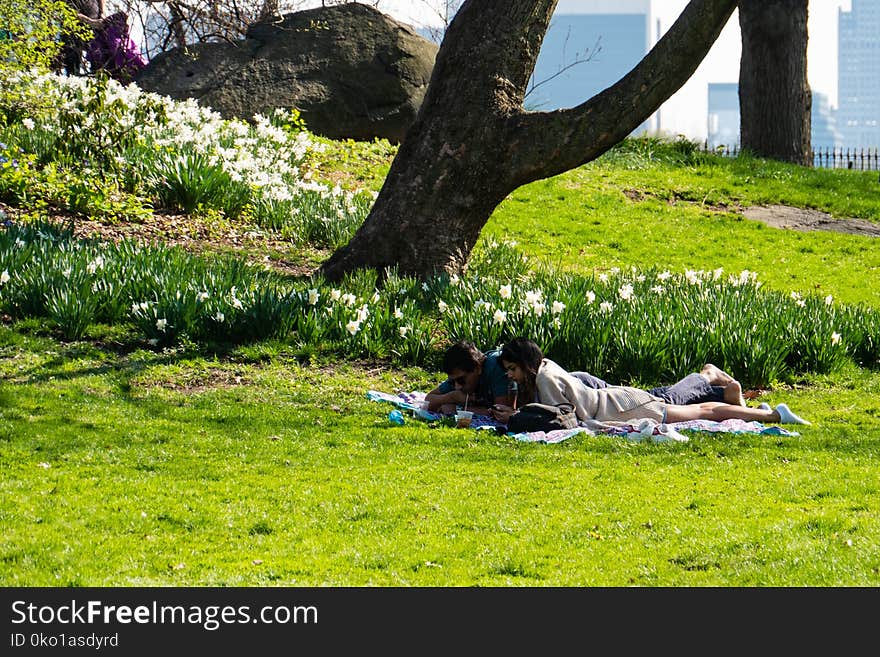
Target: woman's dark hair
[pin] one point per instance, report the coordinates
(528, 355)
(463, 355)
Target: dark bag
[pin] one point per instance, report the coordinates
(542, 417)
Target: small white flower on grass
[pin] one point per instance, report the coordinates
(349, 299)
(425, 286)
(829, 300)
(403, 330)
(603, 277)
(664, 275)
(626, 292)
(161, 323)
(482, 305)
(375, 297)
(538, 308)
(202, 296)
(362, 313)
(236, 303)
(442, 306)
(44, 465)
(353, 326)
(499, 316)
(454, 280)
(716, 273)
(692, 276)
(615, 270)
(313, 296)
(19, 243)
(398, 313)
(95, 265)
(219, 317)
(657, 289)
(835, 338)
(591, 296)
(557, 307)
(640, 278)
(795, 295)
(505, 291)
(4, 277)
(606, 306)
(744, 277)
(534, 296)
(335, 294)
(28, 123)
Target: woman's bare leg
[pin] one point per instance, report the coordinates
(719, 411)
(715, 376)
(733, 393)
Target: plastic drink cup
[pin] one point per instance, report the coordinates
(463, 419)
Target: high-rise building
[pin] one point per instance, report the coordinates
(823, 127)
(589, 46)
(858, 114)
(723, 125)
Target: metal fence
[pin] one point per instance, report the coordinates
(860, 159)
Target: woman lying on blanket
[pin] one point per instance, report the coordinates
(479, 379)
(540, 379)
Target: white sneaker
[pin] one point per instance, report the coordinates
(787, 417)
(764, 406)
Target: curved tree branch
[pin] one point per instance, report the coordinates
(565, 139)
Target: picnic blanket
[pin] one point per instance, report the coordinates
(637, 431)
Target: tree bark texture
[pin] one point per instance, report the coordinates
(774, 95)
(472, 142)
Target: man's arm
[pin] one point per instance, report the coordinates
(447, 402)
(444, 402)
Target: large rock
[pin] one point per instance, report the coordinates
(352, 72)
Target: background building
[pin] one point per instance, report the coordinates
(612, 36)
(723, 121)
(858, 115)
(823, 129)
(722, 128)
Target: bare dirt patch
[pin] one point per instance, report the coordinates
(784, 216)
(260, 247)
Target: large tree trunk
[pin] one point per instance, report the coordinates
(472, 143)
(774, 95)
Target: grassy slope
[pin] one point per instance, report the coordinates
(161, 468)
(684, 218)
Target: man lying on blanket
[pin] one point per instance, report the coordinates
(478, 380)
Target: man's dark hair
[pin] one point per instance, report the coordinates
(463, 355)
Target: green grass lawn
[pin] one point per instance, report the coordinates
(125, 466)
(677, 218)
(149, 470)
